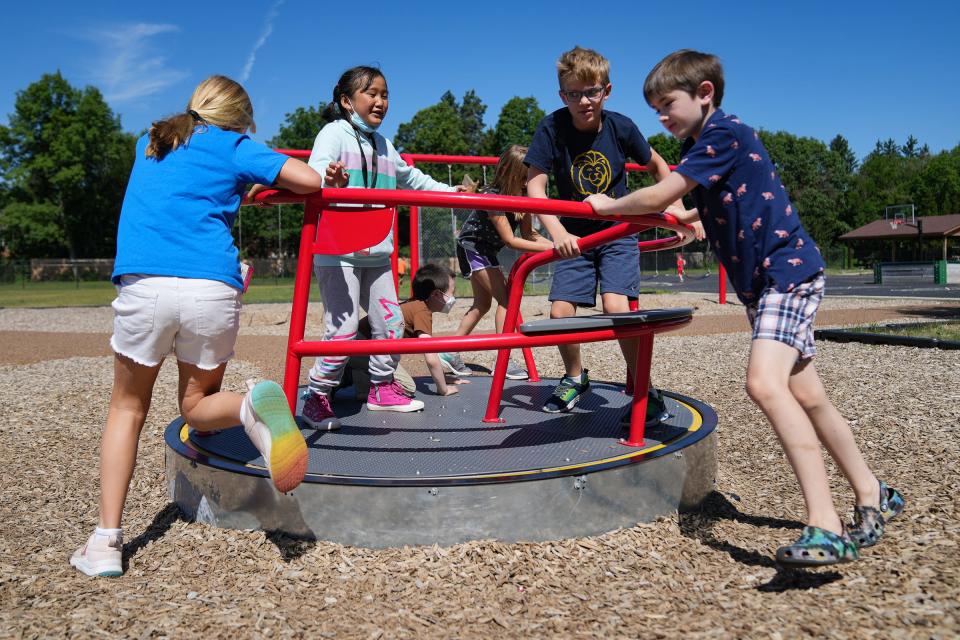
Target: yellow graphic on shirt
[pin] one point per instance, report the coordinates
(591, 173)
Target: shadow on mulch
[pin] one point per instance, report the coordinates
(290, 548)
(157, 529)
(940, 313)
(698, 524)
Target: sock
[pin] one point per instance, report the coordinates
(578, 378)
(108, 533)
(246, 414)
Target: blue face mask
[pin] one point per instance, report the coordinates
(359, 123)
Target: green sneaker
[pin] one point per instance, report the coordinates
(567, 394)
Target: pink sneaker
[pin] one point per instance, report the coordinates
(388, 396)
(318, 414)
(102, 555)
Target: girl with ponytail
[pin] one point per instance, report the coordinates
(178, 289)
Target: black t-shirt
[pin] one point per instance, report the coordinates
(586, 163)
(479, 235)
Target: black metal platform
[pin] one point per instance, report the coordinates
(478, 479)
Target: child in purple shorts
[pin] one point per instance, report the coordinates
(483, 235)
(777, 273)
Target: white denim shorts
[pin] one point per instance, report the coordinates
(155, 315)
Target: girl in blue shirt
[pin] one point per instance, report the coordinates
(178, 288)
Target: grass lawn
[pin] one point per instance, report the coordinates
(98, 293)
(938, 330)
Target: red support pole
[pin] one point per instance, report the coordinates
(395, 255)
(414, 242)
(301, 297)
(722, 274)
(532, 374)
(638, 408)
(414, 229)
(337, 198)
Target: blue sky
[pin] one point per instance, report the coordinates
(865, 70)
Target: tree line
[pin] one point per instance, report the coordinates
(65, 161)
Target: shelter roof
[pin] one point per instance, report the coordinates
(933, 227)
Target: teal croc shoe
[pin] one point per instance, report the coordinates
(818, 547)
(868, 523)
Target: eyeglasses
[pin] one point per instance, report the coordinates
(593, 94)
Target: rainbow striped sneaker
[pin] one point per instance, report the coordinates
(101, 556)
(275, 434)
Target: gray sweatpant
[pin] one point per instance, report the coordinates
(343, 291)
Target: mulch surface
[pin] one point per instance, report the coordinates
(699, 575)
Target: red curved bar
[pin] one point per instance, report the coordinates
(329, 198)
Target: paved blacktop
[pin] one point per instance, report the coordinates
(837, 285)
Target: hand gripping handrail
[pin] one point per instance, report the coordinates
(330, 198)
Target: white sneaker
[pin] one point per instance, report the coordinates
(101, 556)
(453, 364)
(516, 372)
(273, 431)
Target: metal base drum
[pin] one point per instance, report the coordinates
(442, 476)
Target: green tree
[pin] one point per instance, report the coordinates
(437, 129)
(265, 232)
(32, 230)
(434, 129)
(64, 147)
(667, 146)
(936, 187)
(812, 175)
(300, 128)
(841, 174)
(471, 117)
(516, 124)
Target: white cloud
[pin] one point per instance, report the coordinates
(129, 67)
(267, 30)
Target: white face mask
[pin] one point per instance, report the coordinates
(448, 303)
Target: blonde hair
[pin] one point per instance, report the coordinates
(511, 174)
(218, 100)
(684, 70)
(585, 65)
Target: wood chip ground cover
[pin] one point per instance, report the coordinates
(700, 575)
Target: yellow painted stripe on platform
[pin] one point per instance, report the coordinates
(697, 423)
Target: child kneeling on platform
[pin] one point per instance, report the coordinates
(431, 292)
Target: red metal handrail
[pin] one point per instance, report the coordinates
(297, 347)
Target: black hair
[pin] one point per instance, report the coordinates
(352, 80)
(429, 278)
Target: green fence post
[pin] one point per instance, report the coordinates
(940, 272)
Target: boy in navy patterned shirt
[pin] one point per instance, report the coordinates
(777, 272)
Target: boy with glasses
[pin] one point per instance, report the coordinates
(585, 149)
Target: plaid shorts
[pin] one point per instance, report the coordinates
(788, 317)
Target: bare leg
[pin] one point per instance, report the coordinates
(617, 303)
(569, 353)
(834, 432)
(202, 404)
(480, 283)
(129, 404)
(768, 384)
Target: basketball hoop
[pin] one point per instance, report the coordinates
(895, 223)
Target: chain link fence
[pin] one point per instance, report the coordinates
(437, 233)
